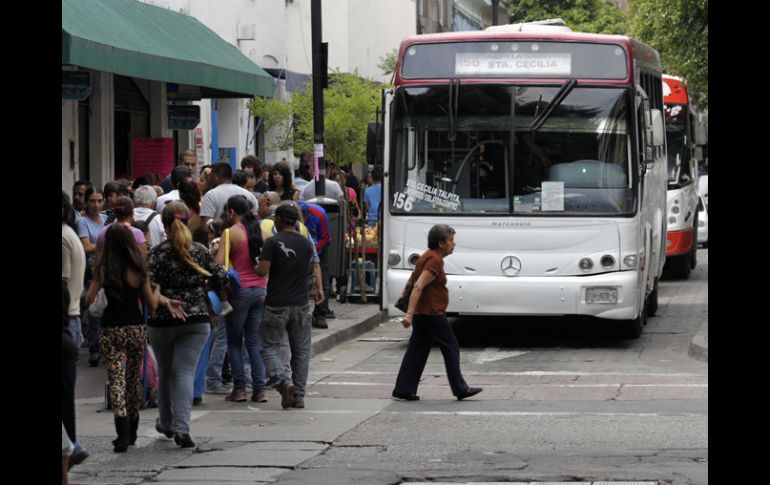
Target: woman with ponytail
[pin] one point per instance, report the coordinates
(182, 268)
(248, 301)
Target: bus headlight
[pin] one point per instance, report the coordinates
(630, 261)
(394, 259)
(413, 259)
(608, 261)
(586, 264)
(672, 220)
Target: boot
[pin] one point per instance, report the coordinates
(133, 422)
(123, 430)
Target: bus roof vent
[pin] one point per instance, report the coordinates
(550, 25)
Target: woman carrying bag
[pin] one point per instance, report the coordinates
(426, 312)
(182, 268)
(120, 269)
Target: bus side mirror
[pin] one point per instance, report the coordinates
(658, 132)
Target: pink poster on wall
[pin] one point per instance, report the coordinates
(152, 155)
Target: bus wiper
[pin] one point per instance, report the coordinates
(564, 90)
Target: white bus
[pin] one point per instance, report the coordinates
(544, 149)
(684, 131)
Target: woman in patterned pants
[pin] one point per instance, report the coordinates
(121, 271)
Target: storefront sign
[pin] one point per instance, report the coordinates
(75, 85)
(152, 155)
(183, 117)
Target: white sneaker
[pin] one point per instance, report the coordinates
(226, 308)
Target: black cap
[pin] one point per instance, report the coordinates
(287, 212)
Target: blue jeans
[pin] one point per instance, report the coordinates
(200, 370)
(93, 333)
(243, 326)
(177, 349)
(278, 321)
(76, 330)
(217, 357)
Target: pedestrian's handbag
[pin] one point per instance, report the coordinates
(233, 278)
(403, 300)
(96, 309)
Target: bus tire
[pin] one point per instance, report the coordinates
(681, 266)
(652, 302)
(694, 252)
(632, 329)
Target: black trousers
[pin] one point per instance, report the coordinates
(426, 329)
(323, 307)
(69, 362)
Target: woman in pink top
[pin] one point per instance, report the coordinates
(248, 302)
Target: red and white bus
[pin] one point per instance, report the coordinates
(544, 149)
(681, 128)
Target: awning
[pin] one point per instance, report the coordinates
(134, 39)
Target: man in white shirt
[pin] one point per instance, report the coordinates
(215, 199)
(305, 175)
(177, 175)
(333, 189)
(144, 201)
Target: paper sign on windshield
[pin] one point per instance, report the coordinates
(513, 64)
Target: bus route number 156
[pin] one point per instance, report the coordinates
(402, 201)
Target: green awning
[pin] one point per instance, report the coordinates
(134, 39)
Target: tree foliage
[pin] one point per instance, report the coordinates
(388, 62)
(349, 105)
(678, 29)
(598, 16)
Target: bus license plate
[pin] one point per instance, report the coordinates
(602, 295)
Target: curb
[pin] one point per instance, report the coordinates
(331, 340)
(699, 346)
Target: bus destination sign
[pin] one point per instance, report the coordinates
(513, 64)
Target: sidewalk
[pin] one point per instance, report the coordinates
(236, 442)
(699, 347)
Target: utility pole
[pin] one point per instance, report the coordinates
(318, 98)
(495, 4)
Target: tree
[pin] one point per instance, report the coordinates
(349, 105)
(388, 62)
(678, 30)
(598, 16)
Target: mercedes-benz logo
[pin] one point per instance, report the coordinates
(511, 265)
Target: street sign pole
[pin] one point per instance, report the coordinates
(318, 98)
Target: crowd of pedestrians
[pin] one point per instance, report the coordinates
(141, 261)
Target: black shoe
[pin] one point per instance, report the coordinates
(93, 359)
(183, 440)
(77, 456)
(197, 401)
(329, 314)
(133, 426)
(160, 430)
(471, 391)
(409, 396)
(320, 322)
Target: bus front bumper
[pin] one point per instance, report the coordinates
(543, 296)
(680, 242)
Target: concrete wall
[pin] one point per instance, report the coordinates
(359, 32)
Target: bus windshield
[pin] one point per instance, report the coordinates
(470, 149)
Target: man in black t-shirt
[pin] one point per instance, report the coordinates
(287, 259)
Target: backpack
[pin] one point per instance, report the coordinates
(144, 226)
